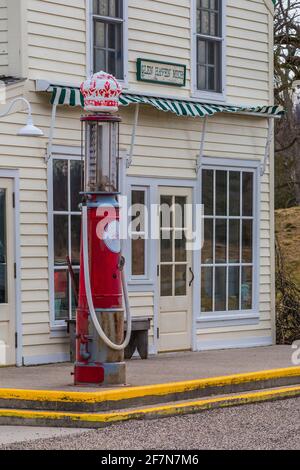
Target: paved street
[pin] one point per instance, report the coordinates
(262, 426)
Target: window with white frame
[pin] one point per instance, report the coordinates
(66, 177)
(108, 36)
(139, 228)
(209, 45)
(228, 255)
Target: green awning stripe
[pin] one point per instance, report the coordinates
(73, 97)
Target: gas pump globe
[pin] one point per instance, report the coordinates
(100, 340)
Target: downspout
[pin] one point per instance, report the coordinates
(263, 166)
(133, 136)
(202, 143)
(51, 133)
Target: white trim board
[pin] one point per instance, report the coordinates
(250, 342)
(46, 359)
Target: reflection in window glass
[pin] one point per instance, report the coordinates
(76, 188)
(166, 280)
(138, 223)
(138, 256)
(207, 249)
(221, 241)
(166, 214)
(208, 191)
(61, 295)
(234, 241)
(60, 185)
(75, 239)
(234, 288)
(247, 194)
(207, 290)
(61, 239)
(166, 247)
(180, 246)
(180, 203)
(247, 241)
(220, 289)
(221, 193)
(234, 193)
(247, 282)
(180, 280)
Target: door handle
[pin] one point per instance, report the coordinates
(193, 277)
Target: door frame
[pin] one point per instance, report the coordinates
(169, 190)
(15, 177)
(152, 283)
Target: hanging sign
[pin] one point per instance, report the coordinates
(164, 73)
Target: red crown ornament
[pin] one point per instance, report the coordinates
(101, 93)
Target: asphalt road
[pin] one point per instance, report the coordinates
(273, 425)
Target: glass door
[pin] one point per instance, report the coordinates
(175, 271)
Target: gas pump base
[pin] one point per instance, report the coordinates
(86, 374)
(114, 373)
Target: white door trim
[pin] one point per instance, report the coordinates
(14, 175)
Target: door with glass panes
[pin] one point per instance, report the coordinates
(7, 278)
(175, 270)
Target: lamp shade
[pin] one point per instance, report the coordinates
(30, 131)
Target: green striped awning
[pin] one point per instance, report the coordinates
(68, 96)
(193, 109)
(73, 97)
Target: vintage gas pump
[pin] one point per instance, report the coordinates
(100, 315)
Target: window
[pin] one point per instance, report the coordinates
(139, 232)
(66, 173)
(227, 258)
(108, 37)
(209, 44)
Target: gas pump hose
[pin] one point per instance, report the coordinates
(107, 341)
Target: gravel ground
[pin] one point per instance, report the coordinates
(273, 425)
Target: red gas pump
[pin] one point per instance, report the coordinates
(100, 315)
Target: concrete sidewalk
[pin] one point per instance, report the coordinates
(158, 369)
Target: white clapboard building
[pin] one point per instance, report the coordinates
(197, 127)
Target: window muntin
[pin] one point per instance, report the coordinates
(108, 31)
(227, 257)
(209, 37)
(66, 177)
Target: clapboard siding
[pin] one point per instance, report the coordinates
(63, 29)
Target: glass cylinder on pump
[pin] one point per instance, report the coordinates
(101, 156)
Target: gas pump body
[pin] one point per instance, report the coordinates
(96, 363)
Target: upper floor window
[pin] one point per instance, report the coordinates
(108, 37)
(209, 40)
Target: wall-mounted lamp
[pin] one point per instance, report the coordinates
(30, 130)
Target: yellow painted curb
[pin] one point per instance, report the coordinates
(144, 391)
(154, 412)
